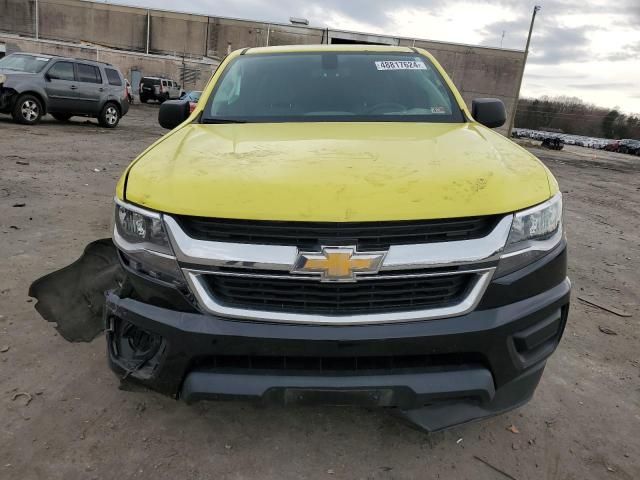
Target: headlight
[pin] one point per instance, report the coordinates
(3, 78)
(534, 233)
(142, 228)
(141, 237)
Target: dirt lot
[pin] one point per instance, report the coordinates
(583, 423)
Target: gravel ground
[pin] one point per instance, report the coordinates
(74, 422)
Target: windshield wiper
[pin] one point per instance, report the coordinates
(222, 120)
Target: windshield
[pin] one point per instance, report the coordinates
(24, 63)
(332, 86)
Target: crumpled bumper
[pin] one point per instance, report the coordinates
(435, 374)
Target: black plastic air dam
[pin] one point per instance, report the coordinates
(440, 416)
(403, 390)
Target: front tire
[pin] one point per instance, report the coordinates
(109, 116)
(27, 110)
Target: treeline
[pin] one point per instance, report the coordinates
(572, 115)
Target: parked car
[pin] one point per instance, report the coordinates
(613, 146)
(32, 85)
(553, 143)
(192, 97)
(629, 146)
(159, 89)
(333, 225)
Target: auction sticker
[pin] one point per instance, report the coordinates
(400, 65)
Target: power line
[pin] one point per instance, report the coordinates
(522, 111)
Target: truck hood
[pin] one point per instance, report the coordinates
(336, 172)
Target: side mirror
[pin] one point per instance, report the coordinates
(172, 113)
(490, 112)
(47, 77)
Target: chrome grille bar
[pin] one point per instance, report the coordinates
(277, 257)
(209, 303)
(476, 257)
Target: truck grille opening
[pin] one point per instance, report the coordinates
(365, 296)
(309, 235)
(342, 364)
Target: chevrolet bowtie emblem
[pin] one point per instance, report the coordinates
(338, 264)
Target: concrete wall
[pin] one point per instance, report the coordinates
(127, 62)
(108, 25)
(17, 16)
(286, 35)
(226, 35)
(176, 33)
(476, 71)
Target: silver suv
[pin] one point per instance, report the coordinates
(32, 85)
(158, 88)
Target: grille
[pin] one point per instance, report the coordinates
(309, 235)
(345, 364)
(365, 296)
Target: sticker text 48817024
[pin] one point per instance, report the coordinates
(400, 65)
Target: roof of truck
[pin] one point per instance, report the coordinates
(326, 48)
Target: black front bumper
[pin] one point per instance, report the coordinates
(436, 373)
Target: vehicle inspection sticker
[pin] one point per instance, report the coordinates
(400, 65)
(439, 110)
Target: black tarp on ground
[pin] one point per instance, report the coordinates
(73, 297)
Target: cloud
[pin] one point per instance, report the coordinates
(460, 22)
(515, 33)
(625, 52)
(601, 86)
(554, 76)
(558, 44)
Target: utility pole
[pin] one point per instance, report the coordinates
(536, 9)
(501, 38)
(148, 30)
(37, 21)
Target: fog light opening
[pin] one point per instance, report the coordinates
(136, 349)
(140, 341)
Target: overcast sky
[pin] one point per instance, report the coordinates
(584, 48)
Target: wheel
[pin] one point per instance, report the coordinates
(27, 110)
(163, 98)
(143, 99)
(109, 116)
(62, 117)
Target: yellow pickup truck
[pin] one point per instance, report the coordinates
(332, 224)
